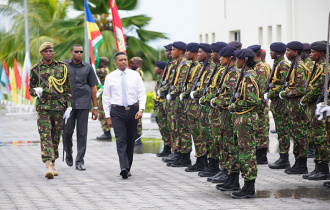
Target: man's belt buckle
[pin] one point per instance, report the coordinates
(127, 108)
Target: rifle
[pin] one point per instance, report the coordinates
(233, 97)
(197, 83)
(287, 78)
(162, 82)
(207, 88)
(310, 78)
(186, 79)
(271, 74)
(173, 78)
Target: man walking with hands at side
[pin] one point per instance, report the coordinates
(123, 88)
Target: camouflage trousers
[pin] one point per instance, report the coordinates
(185, 142)
(262, 136)
(280, 115)
(318, 136)
(215, 148)
(49, 127)
(162, 122)
(169, 110)
(298, 129)
(103, 120)
(194, 128)
(206, 130)
(245, 136)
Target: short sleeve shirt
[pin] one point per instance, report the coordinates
(82, 78)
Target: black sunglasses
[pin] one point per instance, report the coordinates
(76, 51)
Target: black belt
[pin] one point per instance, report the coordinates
(50, 96)
(124, 108)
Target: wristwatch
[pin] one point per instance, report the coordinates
(141, 110)
(95, 108)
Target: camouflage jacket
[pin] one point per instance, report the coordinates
(263, 73)
(316, 84)
(214, 84)
(309, 63)
(102, 73)
(181, 72)
(49, 99)
(298, 81)
(281, 71)
(157, 99)
(139, 70)
(168, 77)
(193, 74)
(204, 80)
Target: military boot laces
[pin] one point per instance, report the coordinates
(301, 167)
(198, 166)
(212, 169)
(183, 162)
(321, 173)
(54, 170)
(49, 173)
(248, 191)
(281, 163)
(166, 152)
(232, 183)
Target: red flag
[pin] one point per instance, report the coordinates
(117, 28)
(17, 75)
(6, 71)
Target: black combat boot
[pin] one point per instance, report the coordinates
(200, 165)
(166, 152)
(321, 173)
(262, 159)
(248, 191)
(220, 177)
(232, 183)
(305, 176)
(175, 161)
(221, 172)
(311, 151)
(183, 162)
(106, 136)
(301, 167)
(172, 157)
(281, 163)
(212, 168)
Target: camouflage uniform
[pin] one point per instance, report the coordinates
(279, 107)
(50, 107)
(309, 63)
(102, 73)
(317, 134)
(245, 126)
(298, 116)
(139, 124)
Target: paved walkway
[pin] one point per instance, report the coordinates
(153, 185)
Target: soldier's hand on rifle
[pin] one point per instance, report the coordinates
(266, 96)
(231, 108)
(38, 91)
(200, 101)
(66, 114)
(301, 103)
(158, 93)
(168, 97)
(180, 96)
(280, 95)
(212, 102)
(192, 95)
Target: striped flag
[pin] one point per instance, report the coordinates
(117, 28)
(17, 75)
(14, 97)
(95, 39)
(26, 77)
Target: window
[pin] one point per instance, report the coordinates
(200, 38)
(235, 35)
(260, 35)
(270, 34)
(279, 33)
(206, 38)
(213, 37)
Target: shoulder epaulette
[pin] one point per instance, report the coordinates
(32, 67)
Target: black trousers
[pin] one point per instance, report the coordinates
(125, 128)
(79, 116)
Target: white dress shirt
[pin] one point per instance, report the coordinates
(112, 93)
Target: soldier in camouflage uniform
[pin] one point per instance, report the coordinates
(298, 116)
(160, 112)
(262, 136)
(318, 132)
(245, 126)
(52, 102)
(278, 106)
(102, 71)
(135, 64)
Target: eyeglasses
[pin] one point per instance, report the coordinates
(76, 51)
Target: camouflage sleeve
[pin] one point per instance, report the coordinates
(281, 75)
(300, 84)
(178, 89)
(200, 91)
(224, 99)
(101, 73)
(33, 82)
(262, 74)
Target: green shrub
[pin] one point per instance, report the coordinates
(150, 103)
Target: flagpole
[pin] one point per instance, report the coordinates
(86, 40)
(27, 44)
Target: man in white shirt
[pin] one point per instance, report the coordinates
(123, 88)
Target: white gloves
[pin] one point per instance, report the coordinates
(212, 102)
(302, 103)
(38, 91)
(265, 96)
(168, 97)
(320, 109)
(192, 95)
(180, 96)
(67, 114)
(158, 93)
(99, 92)
(280, 95)
(199, 101)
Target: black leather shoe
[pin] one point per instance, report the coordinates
(124, 173)
(69, 161)
(138, 142)
(80, 167)
(104, 137)
(129, 174)
(273, 131)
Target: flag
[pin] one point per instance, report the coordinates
(117, 28)
(17, 75)
(2, 71)
(95, 39)
(5, 80)
(1, 96)
(14, 97)
(26, 77)
(7, 74)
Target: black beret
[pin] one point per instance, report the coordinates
(192, 47)
(205, 47)
(278, 47)
(244, 53)
(216, 47)
(227, 51)
(168, 47)
(255, 47)
(161, 64)
(180, 45)
(295, 45)
(307, 47)
(319, 46)
(235, 44)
